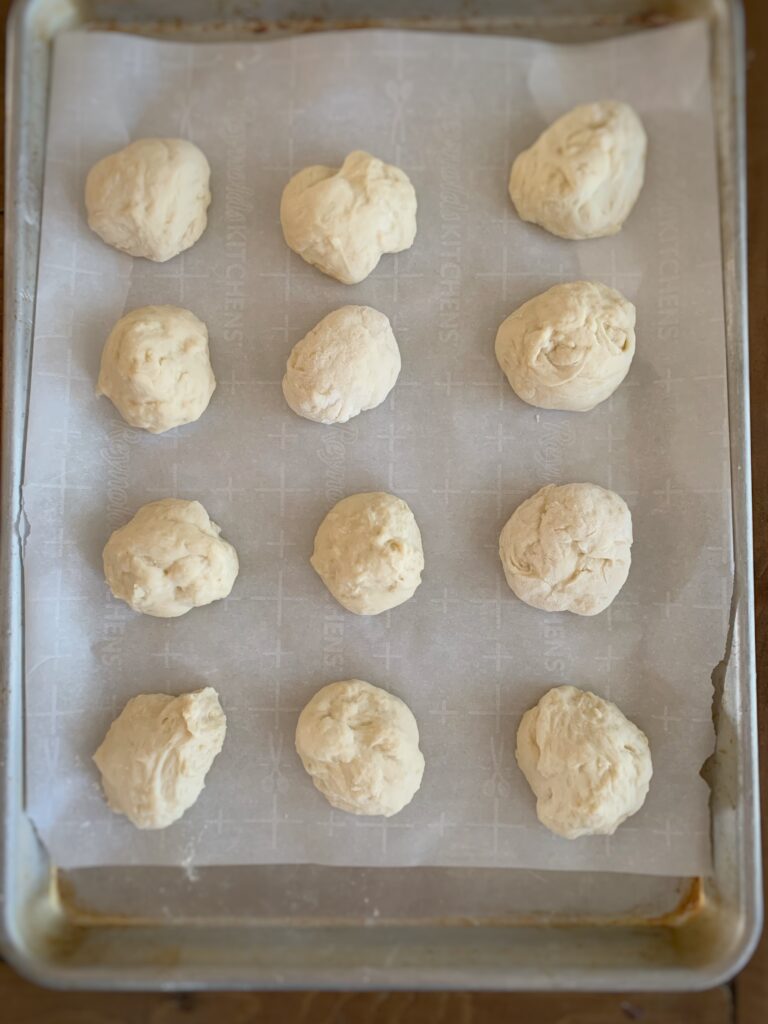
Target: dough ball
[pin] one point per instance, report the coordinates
(156, 369)
(155, 757)
(343, 220)
(346, 364)
(169, 558)
(368, 552)
(568, 348)
(567, 548)
(582, 176)
(360, 744)
(588, 766)
(150, 199)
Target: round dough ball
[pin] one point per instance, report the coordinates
(582, 176)
(157, 753)
(346, 364)
(567, 548)
(150, 198)
(587, 764)
(156, 368)
(343, 220)
(568, 348)
(368, 552)
(169, 558)
(360, 744)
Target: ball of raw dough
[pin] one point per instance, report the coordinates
(343, 220)
(157, 752)
(568, 348)
(169, 558)
(150, 198)
(582, 176)
(156, 369)
(346, 364)
(360, 744)
(588, 766)
(567, 548)
(368, 552)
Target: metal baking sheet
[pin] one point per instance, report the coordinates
(426, 952)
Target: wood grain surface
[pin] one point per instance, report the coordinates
(21, 1003)
(743, 1002)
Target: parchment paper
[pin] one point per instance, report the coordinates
(452, 439)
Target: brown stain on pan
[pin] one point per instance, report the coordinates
(690, 905)
(469, 24)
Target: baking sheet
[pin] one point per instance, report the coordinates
(452, 439)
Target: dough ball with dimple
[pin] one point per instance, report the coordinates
(342, 220)
(587, 764)
(151, 198)
(346, 364)
(156, 368)
(169, 558)
(568, 348)
(360, 744)
(157, 753)
(582, 176)
(567, 548)
(368, 552)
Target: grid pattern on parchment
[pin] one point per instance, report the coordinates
(451, 439)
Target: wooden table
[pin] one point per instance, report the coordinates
(745, 1001)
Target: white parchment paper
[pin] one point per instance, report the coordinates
(452, 439)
